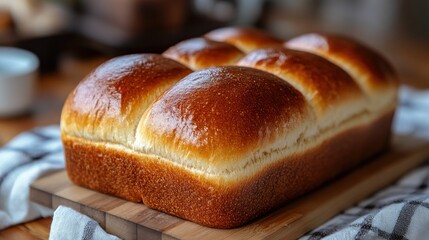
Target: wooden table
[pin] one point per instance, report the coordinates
(410, 60)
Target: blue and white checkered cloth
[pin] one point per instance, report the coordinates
(400, 211)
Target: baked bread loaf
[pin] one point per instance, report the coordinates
(221, 129)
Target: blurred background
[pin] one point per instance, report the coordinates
(58, 29)
(72, 37)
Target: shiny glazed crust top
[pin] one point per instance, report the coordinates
(223, 128)
(227, 120)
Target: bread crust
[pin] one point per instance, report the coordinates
(223, 145)
(220, 115)
(170, 188)
(370, 71)
(323, 83)
(245, 39)
(116, 94)
(199, 53)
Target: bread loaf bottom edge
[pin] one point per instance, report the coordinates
(171, 189)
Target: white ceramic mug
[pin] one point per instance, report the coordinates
(18, 73)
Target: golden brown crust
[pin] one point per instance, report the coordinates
(175, 190)
(199, 53)
(237, 109)
(322, 83)
(335, 46)
(202, 145)
(245, 39)
(116, 94)
(373, 73)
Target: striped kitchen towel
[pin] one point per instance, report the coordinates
(24, 159)
(27, 157)
(70, 225)
(400, 211)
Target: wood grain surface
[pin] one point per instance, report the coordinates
(135, 221)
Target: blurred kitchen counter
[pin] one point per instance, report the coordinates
(410, 60)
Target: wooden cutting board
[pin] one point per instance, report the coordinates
(135, 221)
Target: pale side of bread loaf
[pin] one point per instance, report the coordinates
(243, 134)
